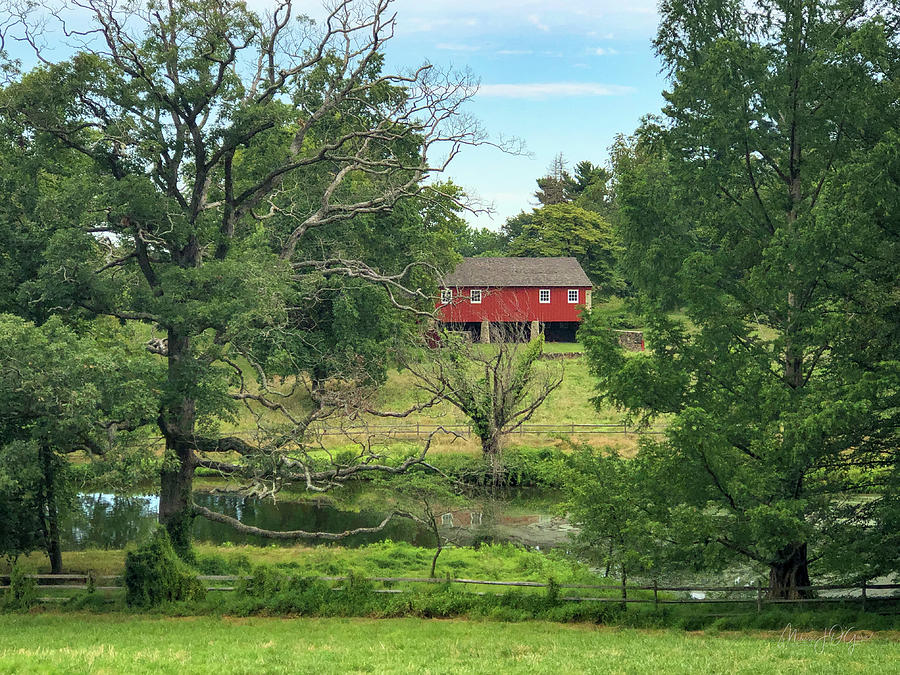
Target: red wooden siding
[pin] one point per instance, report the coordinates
(512, 304)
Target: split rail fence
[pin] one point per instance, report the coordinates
(420, 429)
(757, 594)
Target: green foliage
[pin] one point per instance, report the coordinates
(183, 195)
(481, 242)
(398, 559)
(514, 226)
(756, 205)
(273, 592)
(569, 230)
(216, 564)
(22, 591)
(60, 392)
(497, 387)
(154, 574)
(614, 504)
(21, 527)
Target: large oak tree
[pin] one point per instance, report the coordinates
(215, 144)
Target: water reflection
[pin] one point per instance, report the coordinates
(310, 516)
(113, 521)
(109, 521)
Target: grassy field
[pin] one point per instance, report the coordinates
(569, 404)
(79, 643)
(496, 561)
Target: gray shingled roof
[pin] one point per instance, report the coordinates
(544, 272)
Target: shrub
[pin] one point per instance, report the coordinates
(270, 590)
(215, 563)
(524, 466)
(154, 574)
(22, 591)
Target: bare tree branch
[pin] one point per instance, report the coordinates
(298, 534)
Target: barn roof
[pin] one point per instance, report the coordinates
(543, 272)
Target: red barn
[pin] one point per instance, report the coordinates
(543, 294)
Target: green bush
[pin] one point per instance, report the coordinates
(274, 591)
(154, 574)
(215, 563)
(22, 591)
(524, 466)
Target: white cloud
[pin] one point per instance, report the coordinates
(544, 90)
(535, 21)
(604, 51)
(457, 47)
(514, 52)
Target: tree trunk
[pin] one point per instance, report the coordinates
(437, 543)
(51, 531)
(318, 376)
(177, 424)
(788, 573)
(492, 452)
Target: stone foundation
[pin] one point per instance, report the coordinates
(631, 340)
(486, 332)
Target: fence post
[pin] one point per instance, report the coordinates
(864, 595)
(655, 596)
(624, 427)
(758, 596)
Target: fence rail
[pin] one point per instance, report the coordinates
(420, 429)
(758, 593)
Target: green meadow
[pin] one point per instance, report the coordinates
(67, 643)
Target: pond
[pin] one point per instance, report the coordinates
(520, 517)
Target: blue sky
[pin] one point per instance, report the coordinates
(565, 76)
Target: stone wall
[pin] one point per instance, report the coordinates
(631, 340)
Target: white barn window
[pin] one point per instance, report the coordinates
(475, 296)
(573, 296)
(446, 296)
(544, 296)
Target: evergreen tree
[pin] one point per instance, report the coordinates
(756, 206)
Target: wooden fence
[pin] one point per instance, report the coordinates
(757, 594)
(420, 429)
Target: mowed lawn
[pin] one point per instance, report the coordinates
(79, 643)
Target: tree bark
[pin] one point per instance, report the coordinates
(788, 573)
(437, 544)
(177, 424)
(318, 377)
(492, 452)
(51, 531)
